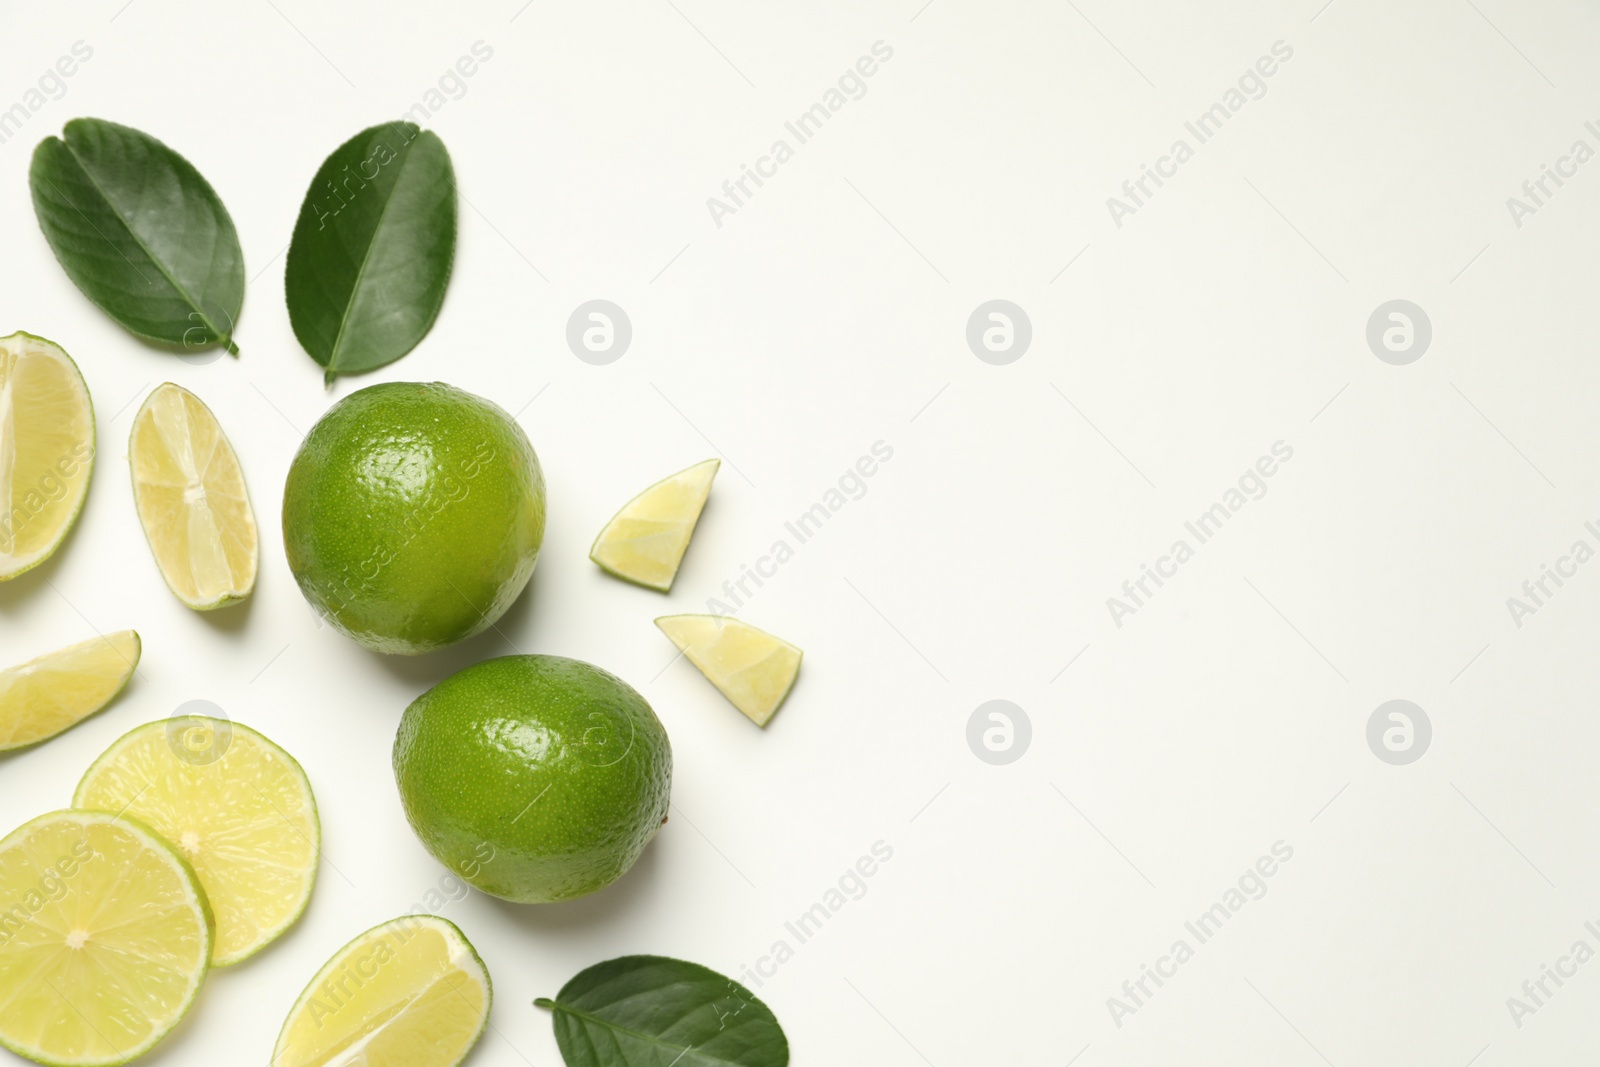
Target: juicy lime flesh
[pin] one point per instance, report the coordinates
(750, 667)
(191, 499)
(46, 449)
(409, 993)
(44, 696)
(535, 778)
(104, 940)
(413, 515)
(235, 805)
(646, 540)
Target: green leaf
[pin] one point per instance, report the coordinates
(140, 232)
(372, 248)
(651, 1011)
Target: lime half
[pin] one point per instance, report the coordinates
(238, 808)
(191, 499)
(409, 993)
(46, 450)
(104, 939)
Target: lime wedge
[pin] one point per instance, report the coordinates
(42, 697)
(646, 540)
(753, 669)
(46, 450)
(191, 499)
(235, 805)
(409, 993)
(104, 941)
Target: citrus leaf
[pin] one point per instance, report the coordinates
(372, 248)
(648, 1011)
(140, 232)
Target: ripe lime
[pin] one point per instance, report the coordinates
(413, 515)
(535, 778)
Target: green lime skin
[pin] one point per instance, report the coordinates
(535, 778)
(413, 515)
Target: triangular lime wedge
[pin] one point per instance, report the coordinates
(42, 697)
(752, 668)
(646, 540)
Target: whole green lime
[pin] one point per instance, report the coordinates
(535, 778)
(413, 515)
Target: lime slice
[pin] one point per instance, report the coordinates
(191, 499)
(236, 805)
(46, 450)
(753, 669)
(104, 940)
(646, 540)
(409, 993)
(44, 696)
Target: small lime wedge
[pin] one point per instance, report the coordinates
(238, 808)
(752, 668)
(104, 941)
(46, 450)
(646, 540)
(191, 499)
(46, 695)
(409, 993)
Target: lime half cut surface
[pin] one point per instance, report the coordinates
(237, 807)
(409, 993)
(646, 540)
(46, 450)
(191, 499)
(104, 940)
(750, 667)
(48, 694)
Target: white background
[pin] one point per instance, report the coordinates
(829, 313)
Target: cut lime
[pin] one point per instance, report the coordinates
(42, 697)
(753, 669)
(191, 499)
(646, 540)
(409, 993)
(105, 937)
(236, 805)
(46, 449)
